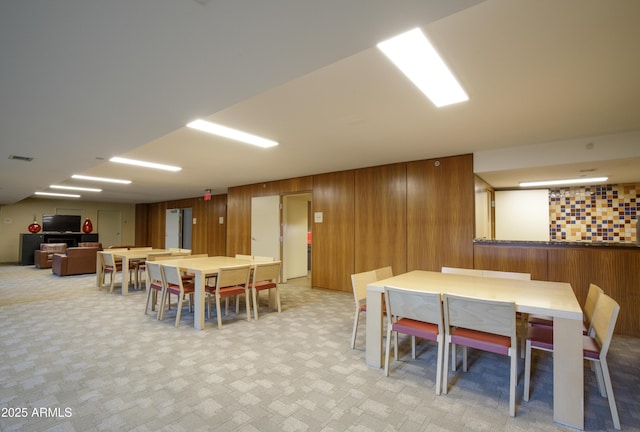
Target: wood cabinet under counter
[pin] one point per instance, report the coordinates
(615, 267)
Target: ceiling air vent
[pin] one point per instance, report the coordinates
(21, 158)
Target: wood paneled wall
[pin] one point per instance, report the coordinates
(208, 236)
(416, 215)
(380, 218)
(333, 248)
(371, 218)
(239, 208)
(521, 259)
(613, 269)
(440, 213)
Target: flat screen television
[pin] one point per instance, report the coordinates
(61, 223)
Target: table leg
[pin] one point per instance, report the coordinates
(99, 270)
(374, 329)
(198, 300)
(125, 275)
(568, 373)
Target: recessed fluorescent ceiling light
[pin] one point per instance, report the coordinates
(564, 182)
(144, 164)
(414, 55)
(100, 179)
(75, 188)
(57, 194)
(233, 134)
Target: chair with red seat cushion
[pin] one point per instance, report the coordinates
(156, 285)
(483, 324)
(359, 282)
(418, 314)
(231, 281)
(594, 348)
(109, 267)
(265, 278)
(588, 309)
(176, 286)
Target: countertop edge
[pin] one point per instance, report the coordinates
(556, 243)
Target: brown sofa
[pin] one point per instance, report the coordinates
(43, 258)
(77, 260)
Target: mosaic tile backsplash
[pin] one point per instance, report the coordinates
(605, 213)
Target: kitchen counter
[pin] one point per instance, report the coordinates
(533, 243)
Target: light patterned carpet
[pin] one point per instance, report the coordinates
(78, 359)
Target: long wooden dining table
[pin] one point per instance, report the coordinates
(555, 299)
(203, 268)
(126, 256)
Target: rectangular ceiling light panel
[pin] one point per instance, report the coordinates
(231, 133)
(414, 55)
(100, 179)
(591, 180)
(144, 164)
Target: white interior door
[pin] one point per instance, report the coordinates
(265, 226)
(110, 228)
(172, 229)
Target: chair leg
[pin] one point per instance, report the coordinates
(413, 347)
(161, 307)
(523, 332)
(146, 306)
(355, 323)
(465, 365)
(600, 380)
(612, 400)
(527, 369)
(278, 299)
(388, 351)
(395, 345)
(454, 358)
(247, 303)
(445, 365)
(112, 280)
(179, 311)
(439, 366)
(218, 311)
(254, 294)
(513, 379)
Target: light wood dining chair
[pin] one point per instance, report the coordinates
(259, 259)
(595, 348)
(230, 282)
(265, 277)
(109, 267)
(176, 286)
(461, 271)
(483, 324)
(520, 317)
(588, 309)
(359, 282)
(417, 314)
(156, 287)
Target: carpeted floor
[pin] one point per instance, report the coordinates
(78, 359)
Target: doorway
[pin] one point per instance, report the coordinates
(178, 228)
(296, 234)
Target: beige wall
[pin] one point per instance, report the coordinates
(15, 218)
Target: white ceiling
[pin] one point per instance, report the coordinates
(554, 90)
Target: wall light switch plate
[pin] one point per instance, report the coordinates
(221, 220)
(318, 217)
